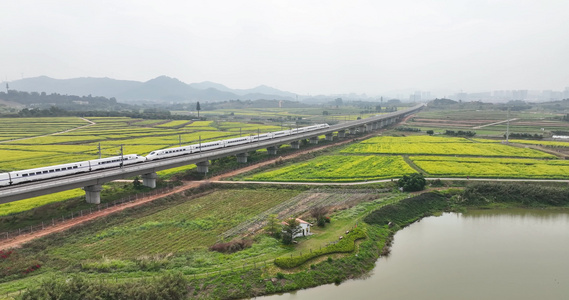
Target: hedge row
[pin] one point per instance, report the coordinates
(408, 210)
(347, 244)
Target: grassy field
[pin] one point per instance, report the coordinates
(413, 145)
(531, 121)
(339, 168)
(382, 157)
(175, 234)
(28, 204)
(445, 166)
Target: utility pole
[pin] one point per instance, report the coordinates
(508, 127)
(200, 137)
(99, 147)
(122, 157)
(180, 140)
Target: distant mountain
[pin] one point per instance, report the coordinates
(162, 88)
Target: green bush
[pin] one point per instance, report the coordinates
(408, 210)
(412, 183)
(523, 193)
(347, 244)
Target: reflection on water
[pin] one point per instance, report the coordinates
(484, 254)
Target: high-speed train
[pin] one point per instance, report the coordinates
(14, 177)
(171, 152)
(21, 176)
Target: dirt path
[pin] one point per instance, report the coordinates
(495, 123)
(21, 239)
(91, 123)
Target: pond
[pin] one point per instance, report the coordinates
(483, 254)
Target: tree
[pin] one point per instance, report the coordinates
(273, 227)
(339, 102)
(319, 213)
(325, 113)
(290, 229)
(198, 108)
(430, 132)
(412, 183)
(136, 183)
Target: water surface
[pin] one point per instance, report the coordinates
(488, 254)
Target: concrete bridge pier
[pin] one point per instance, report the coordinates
(352, 131)
(295, 145)
(375, 125)
(362, 129)
(242, 157)
(93, 193)
(329, 137)
(203, 166)
(341, 133)
(272, 150)
(368, 127)
(314, 140)
(149, 180)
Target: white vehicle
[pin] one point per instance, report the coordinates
(115, 161)
(170, 152)
(261, 137)
(21, 176)
(282, 133)
(207, 146)
(47, 172)
(236, 141)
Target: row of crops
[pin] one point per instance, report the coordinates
(46, 144)
(392, 157)
(187, 226)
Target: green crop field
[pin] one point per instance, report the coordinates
(414, 145)
(339, 168)
(446, 166)
(186, 226)
(27, 204)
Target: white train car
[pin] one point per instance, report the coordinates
(261, 137)
(115, 161)
(207, 146)
(237, 141)
(48, 172)
(4, 179)
(278, 134)
(322, 126)
(170, 152)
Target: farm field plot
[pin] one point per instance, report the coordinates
(244, 127)
(492, 167)
(12, 128)
(191, 225)
(528, 142)
(27, 204)
(339, 168)
(421, 145)
(83, 143)
(171, 124)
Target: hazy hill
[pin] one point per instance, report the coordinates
(162, 88)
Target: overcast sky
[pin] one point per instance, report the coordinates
(306, 47)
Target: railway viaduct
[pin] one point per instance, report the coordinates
(92, 182)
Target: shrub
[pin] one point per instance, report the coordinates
(408, 210)
(412, 183)
(232, 246)
(347, 244)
